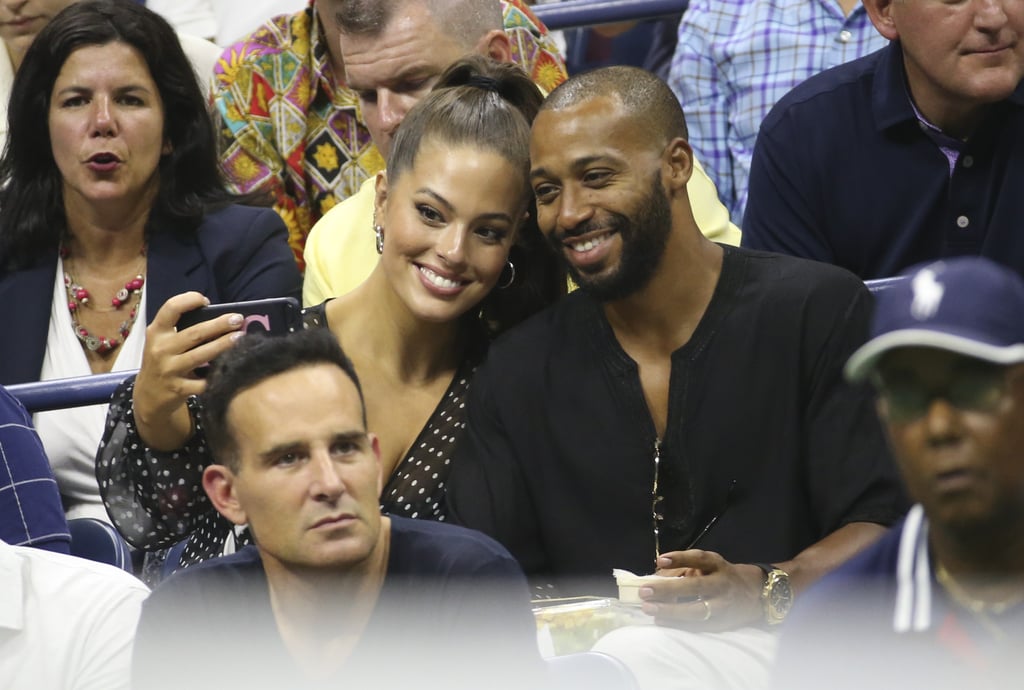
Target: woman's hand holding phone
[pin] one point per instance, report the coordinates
(167, 376)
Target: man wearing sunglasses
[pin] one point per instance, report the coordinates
(938, 601)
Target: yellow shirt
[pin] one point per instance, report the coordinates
(340, 250)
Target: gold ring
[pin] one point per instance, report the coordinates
(707, 608)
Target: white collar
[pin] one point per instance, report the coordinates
(913, 611)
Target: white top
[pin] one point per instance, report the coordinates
(6, 83)
(203, 55)
(71, 436)
(188, 16)
(236, 20)
(65, 623)
(225, 21)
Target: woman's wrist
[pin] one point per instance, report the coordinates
(164, 431)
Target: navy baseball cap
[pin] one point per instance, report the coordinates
(968, 305)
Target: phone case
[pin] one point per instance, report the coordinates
(273, 316)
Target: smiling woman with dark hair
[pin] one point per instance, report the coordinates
(112, 203)
(461, 259)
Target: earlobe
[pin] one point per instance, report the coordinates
(219, 484)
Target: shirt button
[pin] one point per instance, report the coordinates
(968, 161)
(845, 36)
(963, 221)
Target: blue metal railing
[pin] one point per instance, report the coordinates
(90, 390)
(56, 394)
(563, 15)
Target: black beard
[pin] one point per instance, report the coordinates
(644, 237)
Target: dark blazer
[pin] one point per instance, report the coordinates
(237, 253)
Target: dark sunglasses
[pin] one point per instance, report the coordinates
(976, 388)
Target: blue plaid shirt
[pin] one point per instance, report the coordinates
(736, 58)
(31, 513)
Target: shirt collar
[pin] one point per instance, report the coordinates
(832, 7)
(891, 96)
(913, 606)
(318, 55)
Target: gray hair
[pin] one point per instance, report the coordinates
(466, 21)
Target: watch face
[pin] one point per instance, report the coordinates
(779, 596)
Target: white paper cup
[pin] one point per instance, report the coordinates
(630, 584)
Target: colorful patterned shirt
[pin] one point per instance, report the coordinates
(736, 58)
(291, 130)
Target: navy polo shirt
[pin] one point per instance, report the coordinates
(844, 173)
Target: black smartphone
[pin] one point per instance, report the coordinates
(273, 316)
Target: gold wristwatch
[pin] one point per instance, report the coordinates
(776, 595)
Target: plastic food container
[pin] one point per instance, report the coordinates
(566, 626)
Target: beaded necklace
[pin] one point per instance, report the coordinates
(79, 298)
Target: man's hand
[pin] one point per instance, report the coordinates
(703, 591)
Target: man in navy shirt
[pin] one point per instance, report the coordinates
(939, 601)
(332, 593)
(906, 155)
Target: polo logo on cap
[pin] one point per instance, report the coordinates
(927, 294)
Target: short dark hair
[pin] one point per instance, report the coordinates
(30, 183)
(645, 97)
(489, 105)
(254, 359)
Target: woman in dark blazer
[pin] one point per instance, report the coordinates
(111, 202)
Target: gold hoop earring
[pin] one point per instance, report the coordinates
(510, 268)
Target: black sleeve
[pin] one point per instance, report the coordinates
(153, 498)
(851, 475)
(486, 489)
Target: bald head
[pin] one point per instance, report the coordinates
(465, 21)
(642, 95)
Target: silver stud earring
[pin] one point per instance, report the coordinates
(378, 231)
(510, 270)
